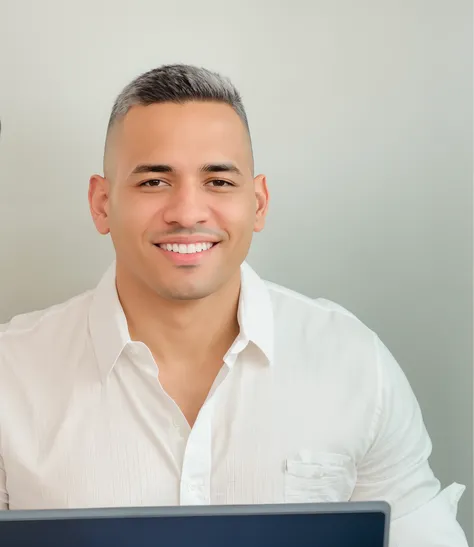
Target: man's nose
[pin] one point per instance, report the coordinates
(187, 206)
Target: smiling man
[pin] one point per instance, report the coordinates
(184, 378)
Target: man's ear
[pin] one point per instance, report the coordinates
(262, 200)
(99, 188)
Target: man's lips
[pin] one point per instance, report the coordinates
(181, 254)
(181, 239)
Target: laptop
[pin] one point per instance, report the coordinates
(295, 525)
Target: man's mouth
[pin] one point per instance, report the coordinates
(190, 248)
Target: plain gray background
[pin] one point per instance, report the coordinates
(361, 113)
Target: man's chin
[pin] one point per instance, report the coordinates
(185, 294)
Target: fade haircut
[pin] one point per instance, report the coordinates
(178, 84)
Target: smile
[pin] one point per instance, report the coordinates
(183, 248)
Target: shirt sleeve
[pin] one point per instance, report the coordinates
(396, 468)
(3, 486)
(3, 476)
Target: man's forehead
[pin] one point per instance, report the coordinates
(166, 117)
(207, 132)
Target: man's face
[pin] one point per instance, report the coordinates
(179, 198)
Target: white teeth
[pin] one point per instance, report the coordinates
(182, 248)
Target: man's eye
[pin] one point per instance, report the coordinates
(220, 183)
(152, 183)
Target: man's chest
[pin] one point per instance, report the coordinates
(130, 445)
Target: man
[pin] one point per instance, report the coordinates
(184, 378)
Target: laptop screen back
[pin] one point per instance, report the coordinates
(346, 529)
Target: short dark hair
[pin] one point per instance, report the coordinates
(178, 84)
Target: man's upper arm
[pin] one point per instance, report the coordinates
(396, 467)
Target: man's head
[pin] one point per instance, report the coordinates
(178, 195)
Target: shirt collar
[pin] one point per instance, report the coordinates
(109, 330)
(255, 314)
(107, 323)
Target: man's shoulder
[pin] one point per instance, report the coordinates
(301, 306)
(322, 332)
(50, 319)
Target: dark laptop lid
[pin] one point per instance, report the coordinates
(307, 525)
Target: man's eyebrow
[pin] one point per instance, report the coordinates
(225, 167)
(220, 168)
(152, 168)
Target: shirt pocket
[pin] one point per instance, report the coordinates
(319, 478)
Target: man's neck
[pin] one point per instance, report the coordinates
(181, 332)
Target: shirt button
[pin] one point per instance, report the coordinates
(133, 350)
(178, 428)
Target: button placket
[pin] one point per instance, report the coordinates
(196, 470)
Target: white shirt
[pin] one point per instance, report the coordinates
(309, 406)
